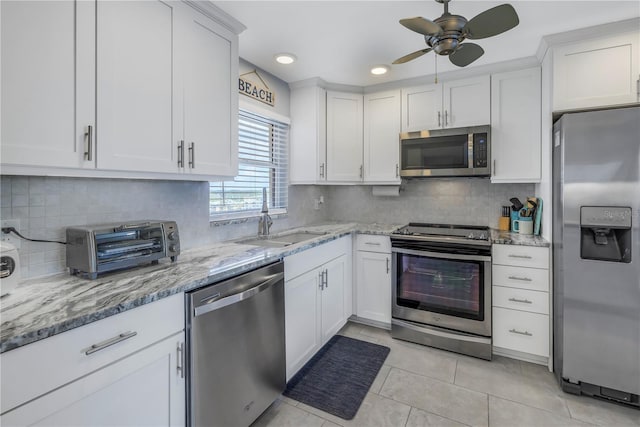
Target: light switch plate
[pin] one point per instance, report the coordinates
(10, 237)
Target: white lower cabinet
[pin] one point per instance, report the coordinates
(125, 370)
(317, 297)
(141, 389)
(373, 279)
(521, 301)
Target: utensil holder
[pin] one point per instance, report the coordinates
(503, 223)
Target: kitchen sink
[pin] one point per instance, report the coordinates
(281, 240)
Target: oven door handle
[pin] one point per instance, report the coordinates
(443, 255)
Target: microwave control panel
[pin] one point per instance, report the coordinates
(480, 150)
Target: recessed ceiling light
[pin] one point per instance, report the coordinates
(379, 70)
(285, 58)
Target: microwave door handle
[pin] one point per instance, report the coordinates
(442, 255)
(470, 151)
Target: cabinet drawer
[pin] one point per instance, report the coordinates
(521, 331)
(535, 279)
(373, 243)
(521, 299)
(524, 256)
(37, 368)
(302, 262)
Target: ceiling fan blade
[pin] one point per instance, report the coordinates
(491, 22)
(465, 54)
(411, 56)
(421, 25)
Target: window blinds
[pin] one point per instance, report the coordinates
(262, 163)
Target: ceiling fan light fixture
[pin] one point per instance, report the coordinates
(378, 70)
(285, 58)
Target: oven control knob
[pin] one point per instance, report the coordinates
(173, 248)
(171, 235)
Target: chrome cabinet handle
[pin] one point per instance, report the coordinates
(372, 243)
(321, 275)
(494, 166)
(361, 170)
(524, 279)
(322, 170)
(525, 301)
(519, 256)
(526, 333)
(439, 119)
(89, 136)
(397, 170)
(192, 155)
(180, 359)
(326, 278)
(446, 118)
(181, 154)
(107, 343)
(387, 265)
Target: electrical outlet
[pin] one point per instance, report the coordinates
(10, 237)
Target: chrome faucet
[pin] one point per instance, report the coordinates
(265, 222)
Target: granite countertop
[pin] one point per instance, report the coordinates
(43, 307)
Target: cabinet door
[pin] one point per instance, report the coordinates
(48, 60)
(381, 137)
(467, 102)
(596, 73)
(421, 108)
(344, 137)
(145, 388)
(302, 320)
(135, 81)
(333, 297)
(516, 126)
(373, 286)
(210, 97)
(308, 136)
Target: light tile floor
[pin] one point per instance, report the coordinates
(421, 386)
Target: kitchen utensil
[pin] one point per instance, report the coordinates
(517, 204)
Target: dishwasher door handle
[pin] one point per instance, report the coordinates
(232, 299)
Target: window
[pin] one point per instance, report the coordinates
(262, 163)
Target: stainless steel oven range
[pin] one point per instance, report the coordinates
(441, 279)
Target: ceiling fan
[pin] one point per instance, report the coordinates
(444, 35)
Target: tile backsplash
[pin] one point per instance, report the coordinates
(46, 205)
(470, 201)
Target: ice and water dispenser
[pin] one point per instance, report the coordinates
(605, 233)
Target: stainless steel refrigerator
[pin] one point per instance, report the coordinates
(596, 253)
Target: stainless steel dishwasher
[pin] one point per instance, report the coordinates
(235, 348)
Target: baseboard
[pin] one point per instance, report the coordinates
(369, 322)
(532, 358)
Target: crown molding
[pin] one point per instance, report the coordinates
(212, 11)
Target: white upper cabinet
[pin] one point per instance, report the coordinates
(47, 81)
(597, 73)
(308, 148)
(344, 137)
(516, 126)
(210, 98)
(381, 137)
(467, 102)
(422, 108)
(135, 81)
(452, 104)
(118, 89)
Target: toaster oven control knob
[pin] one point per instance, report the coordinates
(171, 235)
(173, 248)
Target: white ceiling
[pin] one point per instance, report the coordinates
(339, 41)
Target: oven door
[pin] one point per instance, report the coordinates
(448, 290)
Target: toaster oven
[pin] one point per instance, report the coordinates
(92, 250)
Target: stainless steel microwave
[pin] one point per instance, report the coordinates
(446, 152)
